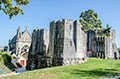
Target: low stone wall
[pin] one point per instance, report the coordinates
(73, 61)
(38, 61)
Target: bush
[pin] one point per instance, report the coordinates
(5, 59)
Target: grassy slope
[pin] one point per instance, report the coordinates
(92, 69)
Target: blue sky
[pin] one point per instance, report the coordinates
(39, 13)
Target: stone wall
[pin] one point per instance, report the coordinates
(101, 46)
(67, 42)
(38, 50)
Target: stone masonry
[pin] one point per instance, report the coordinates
(19, 46)
(102, 46)
(39, 48)
(67, 42)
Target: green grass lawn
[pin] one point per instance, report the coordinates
(92, 69)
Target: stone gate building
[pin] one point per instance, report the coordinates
(67, 44)
(64, 44)
(19, 46)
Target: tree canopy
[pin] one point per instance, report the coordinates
(107, 31)
(118, 49)
(89, 20)
(12, 7)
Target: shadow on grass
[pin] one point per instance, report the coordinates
(94, 73)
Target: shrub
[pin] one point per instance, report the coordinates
(5, 59)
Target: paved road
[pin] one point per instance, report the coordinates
(20, 70)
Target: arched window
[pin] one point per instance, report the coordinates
(25, 48)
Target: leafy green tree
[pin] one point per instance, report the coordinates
(89, 20)
(12, 7)
(107, 26)
(118, 49)
(107, 31)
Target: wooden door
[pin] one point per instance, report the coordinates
(22, 62)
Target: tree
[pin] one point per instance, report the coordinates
(89, 20)
(107, 31)
(12, 7)
(107, 26)
(119, 50)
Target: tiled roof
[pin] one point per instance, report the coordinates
(14, 38)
